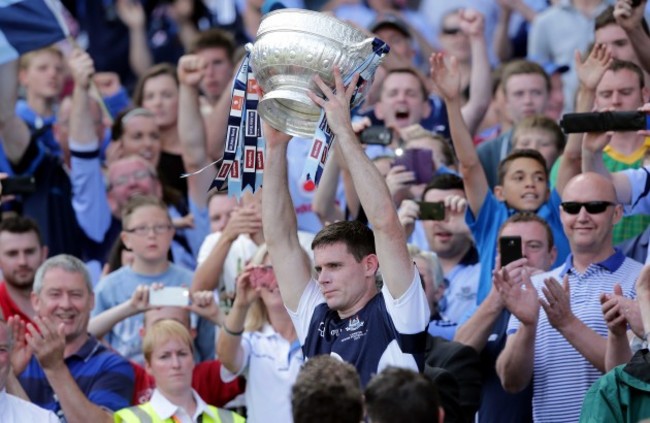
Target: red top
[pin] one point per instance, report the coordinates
(206, 381)
(9, 307)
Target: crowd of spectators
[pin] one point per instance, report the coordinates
(377, 295)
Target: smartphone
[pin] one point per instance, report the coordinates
(509, 249)
(604, 121)
(432, 211)
(169, 296)
(376, 135)
(16, 185)
(263, 276)
(419, 161)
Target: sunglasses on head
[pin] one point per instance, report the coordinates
(592, 207)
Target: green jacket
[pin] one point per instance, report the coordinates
(622, 395)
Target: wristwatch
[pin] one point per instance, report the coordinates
(644, 344)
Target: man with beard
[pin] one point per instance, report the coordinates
(21, 253)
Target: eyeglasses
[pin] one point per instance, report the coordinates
(138, 175)
(144, 230)
(450, 31)
(592, 207)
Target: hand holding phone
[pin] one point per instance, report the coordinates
(509, 249)
(419, 161)
(432, 211)
(17, 185)
(263, 277)
(169, 296)
(376, 135)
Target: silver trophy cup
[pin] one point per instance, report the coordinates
(292, 46)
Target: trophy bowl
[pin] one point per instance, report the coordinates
(293, 45)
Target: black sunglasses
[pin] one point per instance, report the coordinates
(450, 31)
(592, 207)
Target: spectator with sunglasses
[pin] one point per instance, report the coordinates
(562, 347)
(632, 185)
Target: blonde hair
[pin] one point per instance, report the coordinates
(437, 273)
(26, 59)
(162, 331)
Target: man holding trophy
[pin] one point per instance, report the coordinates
(341, 312)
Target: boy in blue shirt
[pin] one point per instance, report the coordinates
(522, 186)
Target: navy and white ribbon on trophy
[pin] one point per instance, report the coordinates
(243, 160)
(323, 138)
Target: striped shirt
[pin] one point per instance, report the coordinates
(561, 375)
(104, 377)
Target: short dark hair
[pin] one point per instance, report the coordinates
(523, 67)
(618, 65)
(214, 38)
(525, 217)
(526, 153)
(327, 390)
(396, 393)
(152, 72)
(410, 71)
(444, 182)
(357, 237)
(21, 225)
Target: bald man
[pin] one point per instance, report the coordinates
(557, 334)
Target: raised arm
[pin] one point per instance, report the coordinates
(593, 144)
(229, 348)
(390, 241)
(446, 78)
(132, 14)
(191, 129)
(82, 128)
(104, 322)
(472, 23)
(14, 133)
(630, 19)
(590, 72)
(279, 221)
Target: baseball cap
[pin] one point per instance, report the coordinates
(389, 19)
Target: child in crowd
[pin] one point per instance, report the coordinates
(542, 134)
(148, 233)
(522, 181)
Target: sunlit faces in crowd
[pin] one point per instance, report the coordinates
(523, 180)
(621, 88)
(63, 295)
(169, 356)
(41, 73)
(525, 87)
(542, 134)
(220, 207)
(218, 72)
(346, 264)
(403, 99)
(129, 177)
(444, 239)
(157, 91)
(137, 132)
(591, 227)
(147, 229)
(536, 239)
(453, 40)
(21, 253)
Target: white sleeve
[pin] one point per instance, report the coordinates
(410, 312)
(206, 247)
(310, 298)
